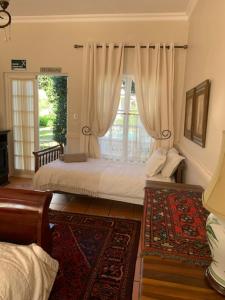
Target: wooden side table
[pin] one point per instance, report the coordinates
(157, 187)
(169, 278)
(24, 217)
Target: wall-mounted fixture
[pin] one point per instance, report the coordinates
(5, 17)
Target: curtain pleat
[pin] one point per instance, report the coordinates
(23, 124)
(103, 69)
(154, 77)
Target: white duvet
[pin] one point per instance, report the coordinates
(26, 272)
(96, 177)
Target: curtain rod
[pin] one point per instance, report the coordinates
(132, 46)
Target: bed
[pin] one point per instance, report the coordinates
(27, 270)
(97, 177)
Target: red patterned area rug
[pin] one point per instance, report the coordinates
(96, 256)
(174, 226)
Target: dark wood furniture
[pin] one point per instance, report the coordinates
(45, 156)
(164, 278)
(24, 217)
(4, 157)
(196, 113)
(179, 173)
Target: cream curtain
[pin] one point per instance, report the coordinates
(23, 124)
(154, 77)
(103, 69)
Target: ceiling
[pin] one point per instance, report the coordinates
(84, 7)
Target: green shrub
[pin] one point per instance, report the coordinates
(43, 121)
(56, 90)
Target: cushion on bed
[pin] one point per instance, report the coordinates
(27, 272)
(174, 150)
(156, 162)
(73, 157)
(172, 162)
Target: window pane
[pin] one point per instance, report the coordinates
(133, 101)
(138, 140)
(112, 142)
(23, 124)
(122, 96)
(127, 139)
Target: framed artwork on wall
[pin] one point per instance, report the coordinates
(189, 114)
(201, 113)
(196, 113)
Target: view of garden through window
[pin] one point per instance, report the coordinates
(52, 94)
(127, 139)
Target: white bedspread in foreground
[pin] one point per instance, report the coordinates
(26, 272)
(97, 177)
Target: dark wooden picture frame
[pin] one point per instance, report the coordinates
(201, 113)
(189, 114)
(196, 113)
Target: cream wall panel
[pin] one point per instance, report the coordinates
(206, 59)
(51, 44)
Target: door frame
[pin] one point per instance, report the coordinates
(55, 75)
(8, 77)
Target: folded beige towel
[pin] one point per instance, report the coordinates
(73, 157)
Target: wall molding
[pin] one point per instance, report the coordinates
(191, 7)
(182, 16)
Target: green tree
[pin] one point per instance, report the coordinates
(56, 91)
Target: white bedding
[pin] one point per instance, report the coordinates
(97, 177)
(26, 272)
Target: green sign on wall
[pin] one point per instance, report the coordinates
(18, 64)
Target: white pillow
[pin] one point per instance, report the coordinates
(156, 162)
(27, 272)
(172, 161)
(173, 150)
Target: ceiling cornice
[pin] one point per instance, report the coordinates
(101, 18)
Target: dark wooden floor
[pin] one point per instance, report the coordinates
(162, 279)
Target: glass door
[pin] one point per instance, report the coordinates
(23, 122)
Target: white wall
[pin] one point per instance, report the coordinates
(206, 60)
(51, 44)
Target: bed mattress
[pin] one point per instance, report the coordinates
(97, 178)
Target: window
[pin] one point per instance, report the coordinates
(127, 139)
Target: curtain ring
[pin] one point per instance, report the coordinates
(165, 135)
(86, 130)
